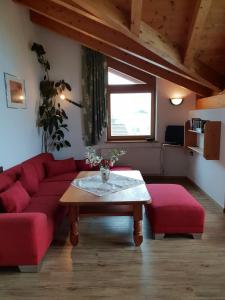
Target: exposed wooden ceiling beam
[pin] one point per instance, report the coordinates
(98, 45)
(136, 14)
(209, 73)
(97, 7)
(90, 24)
(103, 8)
(93, 26)
(129, 70)
(149, 38)
(201, 11)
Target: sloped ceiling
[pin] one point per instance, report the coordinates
(181, 41)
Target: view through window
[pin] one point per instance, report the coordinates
(130, 114)
(130, 108)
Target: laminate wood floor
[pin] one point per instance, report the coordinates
(106, 265)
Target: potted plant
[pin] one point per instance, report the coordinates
(51, 116)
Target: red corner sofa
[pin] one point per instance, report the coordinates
(27, 226)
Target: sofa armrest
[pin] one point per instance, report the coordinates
(24, 238)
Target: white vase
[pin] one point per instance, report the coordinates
(105, 173)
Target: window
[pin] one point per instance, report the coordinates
(131, 108)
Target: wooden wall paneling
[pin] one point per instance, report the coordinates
(213, 102)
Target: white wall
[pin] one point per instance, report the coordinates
(147, 156)
(64, 56)
(19, 138)
(65, 59)
(210, 175)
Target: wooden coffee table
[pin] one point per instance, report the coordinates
(135, 196)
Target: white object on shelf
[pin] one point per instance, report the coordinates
(196, 149)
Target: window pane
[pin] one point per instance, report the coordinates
(130, 114)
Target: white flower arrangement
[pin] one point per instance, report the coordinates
(95, 160)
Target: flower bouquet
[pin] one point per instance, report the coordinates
(104, 164)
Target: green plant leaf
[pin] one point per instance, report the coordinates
(67, 143)
(60, 132)
(68, 86)
(64, 114)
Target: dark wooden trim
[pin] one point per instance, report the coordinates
(129, 88)
(132, 88)
(130, 71)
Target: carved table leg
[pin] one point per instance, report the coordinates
(137, 214)
(74, 219)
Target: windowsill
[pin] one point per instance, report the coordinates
(131, 144)
(132, 141)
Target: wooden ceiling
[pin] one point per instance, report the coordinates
(180, 40)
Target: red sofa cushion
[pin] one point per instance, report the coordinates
(15, 198)
(5, 182)
(56, 188)
(49, 205)
(57, 167)
(25, 236)
(174, 210)
(121, 168)
(82, 166)
(62, 177)
(38, 163)
(43, 204)
(29, 178)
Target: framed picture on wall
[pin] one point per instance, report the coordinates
(15, 91)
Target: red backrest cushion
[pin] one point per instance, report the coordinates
(57, 167)
(38, 163)
(5, 182)
(13, 172)
(82, 166)
(15, 199)
(29, 178)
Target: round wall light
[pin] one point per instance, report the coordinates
(176, 101)
(62, 97)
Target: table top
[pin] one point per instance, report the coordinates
(137, 194)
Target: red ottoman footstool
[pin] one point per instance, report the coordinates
(174, 210)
